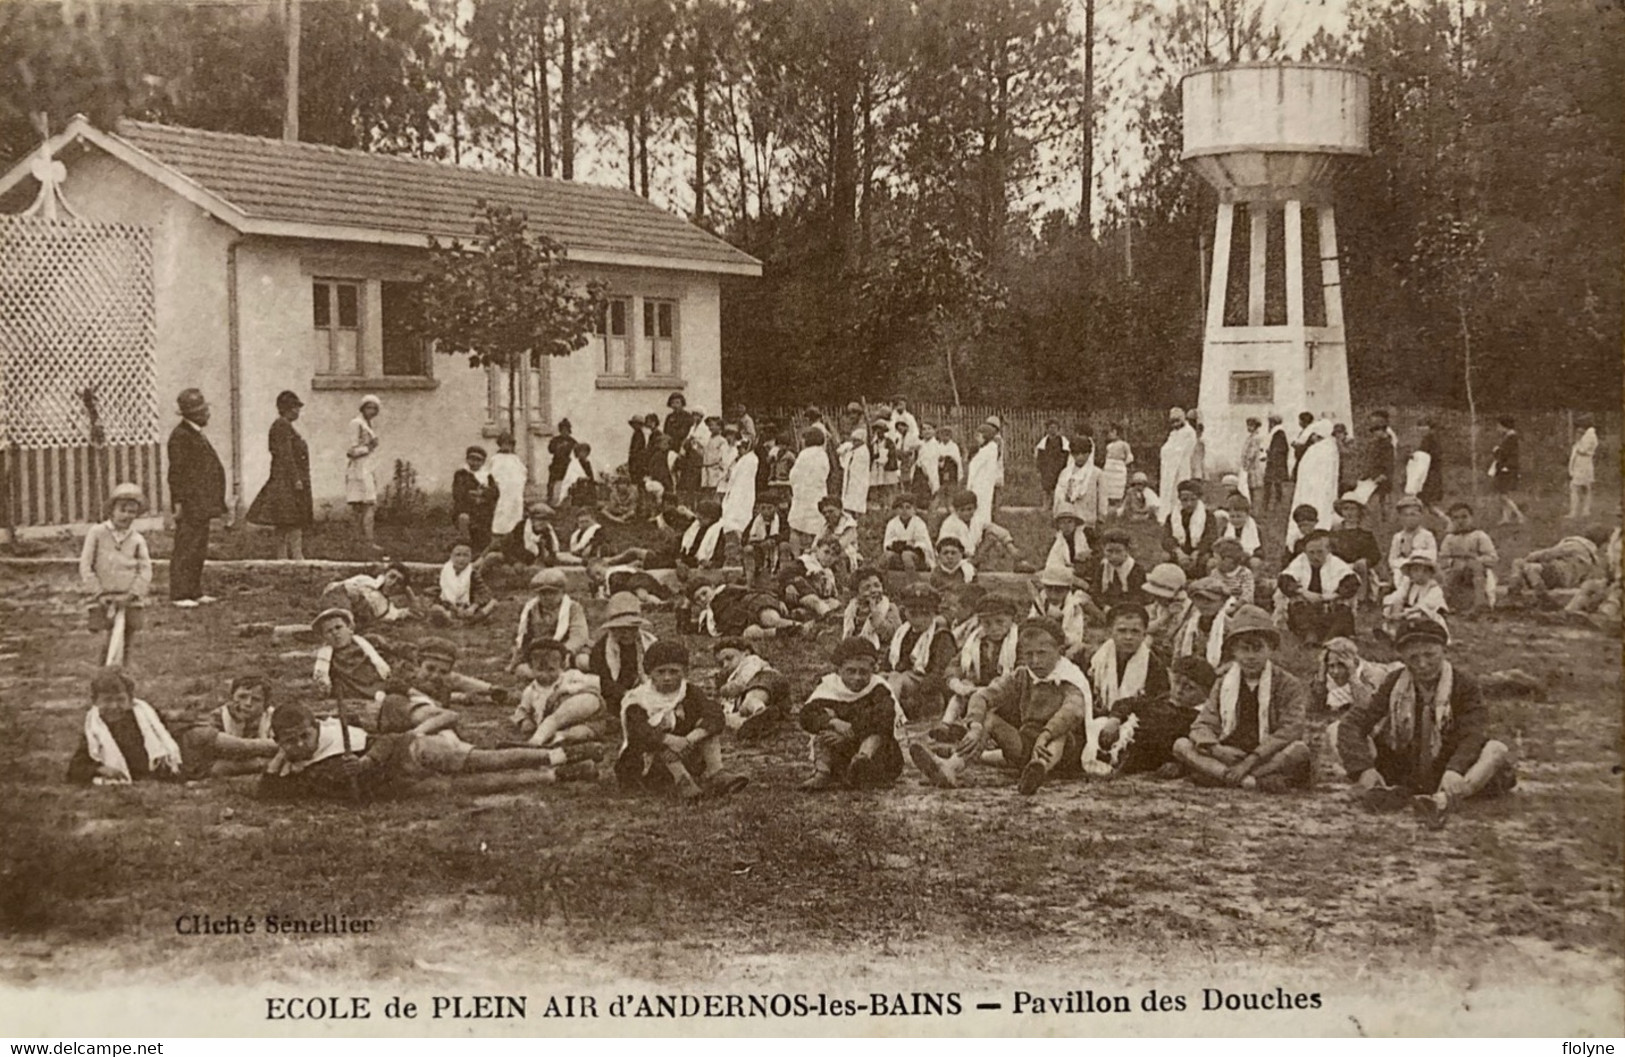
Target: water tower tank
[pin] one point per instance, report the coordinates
(1269, 138)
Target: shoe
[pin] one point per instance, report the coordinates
(1168, 772)
(577, 751)
(1032, 776)
(756, 727)
(1274, 783)
(1384, 799)
(184, 603)
(935, 770)
(948, 733)
(1433, 811)
(205, 600)
(819, 781)
(577, 771)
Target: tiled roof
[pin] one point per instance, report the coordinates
(307, 183)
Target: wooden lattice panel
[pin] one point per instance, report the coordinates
(76, 314)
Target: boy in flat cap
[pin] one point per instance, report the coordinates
(1423, 737)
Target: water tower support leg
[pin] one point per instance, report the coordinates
(1331, 278)
(1294, 263)
(1219, 283)
(1257, 246)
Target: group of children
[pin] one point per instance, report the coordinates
(1107, 666)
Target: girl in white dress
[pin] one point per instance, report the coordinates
(360, 482)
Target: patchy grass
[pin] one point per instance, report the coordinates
(98, 876)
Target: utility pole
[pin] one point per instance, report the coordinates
(290, 116)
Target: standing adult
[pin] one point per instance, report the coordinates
(360, 482)
(739, 495)
(1506, 467)
(1319, 463)
(982, 476)
(1051, 454)
(560, 450)
(636, 452)
(1381, 462)
(1430, 489)
(679, 424)
(284, 503)
(809, 483)
(854, 459)
(1276, 455)
(509, 475)
(1582, 467)
(1177, 452)
(197, 488)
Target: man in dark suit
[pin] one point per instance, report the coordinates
(1275, 464)
(197, 488)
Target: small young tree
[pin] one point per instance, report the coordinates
(506, 301)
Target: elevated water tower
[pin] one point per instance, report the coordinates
(1269, 137)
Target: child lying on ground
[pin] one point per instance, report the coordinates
(731, 610)
(855, 723)
(348, 666)
(235, 738)
(124, 739)
(463, 597)
(671, 731)
(559, 706)
(755, 697)
(373, 600)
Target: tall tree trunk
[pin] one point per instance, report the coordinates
(542, 92)
(702, 88)
(631, 152)
(1472, 403)
(866, 166)
(567, 93)
(1086, 207)
(514, 111)
(739, 155)
(643, 151)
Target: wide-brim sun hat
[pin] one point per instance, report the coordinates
(624, 611)
(327, 614)
(1251, 620)
(1164, 581)
(1051, 576)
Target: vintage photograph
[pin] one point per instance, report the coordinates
(811, 517)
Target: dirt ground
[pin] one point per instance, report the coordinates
(1509, 920)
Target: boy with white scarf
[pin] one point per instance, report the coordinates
(854, 721)
(124, 739)
(1250, 733)
(920, 650)
(1423, 737)
(988, 652)
(1037, 716)
(671, 731)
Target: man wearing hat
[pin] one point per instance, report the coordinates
(197, 488)
(1423, 737)
(1249, 733)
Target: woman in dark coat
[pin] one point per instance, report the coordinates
(284, 502)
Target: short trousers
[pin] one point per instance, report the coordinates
(443, 752)
(135, 617)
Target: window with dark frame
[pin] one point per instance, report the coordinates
(336, 332)
(1252, 387)
(659, 333)
(613, 333)
(406, 354)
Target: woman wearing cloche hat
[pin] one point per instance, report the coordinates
(284, 503)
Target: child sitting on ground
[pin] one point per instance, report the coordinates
(1355, 544)
(473, 499)
(870, 615)
(919, 653)
(1114, 578)
(764, 542)
(983, 537)
(731, 610)
(559, 706)
(1126, 665)
(1231, 570)
(1305, 519)
(671, 731)
(1241, 526)
(855, 723)
(1140, 732)
(1419, 594)
(1140, 503)
(116, 569)
(348, 666)
(235, 738)
(953, 571)
(550, 614)
(842, 527)
(1202, 631)
(1188, 533)
(1058, 596)
(580, 484)
(616, 656)
(463, 597)
(1467, 559)
(959, 610)
(1412, 536)
(1072, 547)
(987, 652)
(123, 739)
(755, 697)
(809, 584)
(532, 542)
(907, 541)
(700, 546)
(1315, 594)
